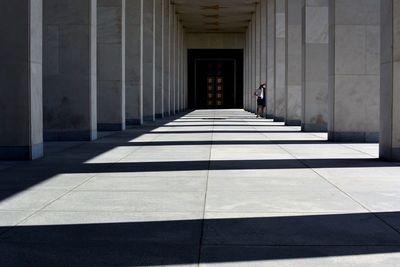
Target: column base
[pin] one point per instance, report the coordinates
(354, 137)
(313, 127)
(134, 122)
(279, 119)
(111, 127)
(293, 123)
(390, 154)
(21, 152)
(70, 135)
(270, 116)
(149, 118)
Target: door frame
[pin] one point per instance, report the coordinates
(236, 59)
(215, 59)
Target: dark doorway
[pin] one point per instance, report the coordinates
(215, 78)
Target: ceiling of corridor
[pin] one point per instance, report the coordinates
(215, 15)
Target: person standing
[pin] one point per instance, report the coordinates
(261, 97)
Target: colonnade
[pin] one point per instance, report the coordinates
(331, 66)
(69, 69)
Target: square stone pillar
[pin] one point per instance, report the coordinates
(354, 70)
(271, 59)
(315, 60)
(264, 45)
(21, 134)
(148, 60)
(251, 68)
(181, 78)
(70, 70)
(133, 59)
(294, 67)
(184, 94)
(159, 58)
(246, 72)
(280, 60)
(172, 59)
(166, 57)
(177, 64)
(257, 23)
(390, 81)
(111, 65)
(186, 73)
(254, 72)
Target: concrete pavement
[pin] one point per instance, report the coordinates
(212, 187)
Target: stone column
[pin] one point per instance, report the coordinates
(166, 56)
(253, 63)
(280, 60)
(21, 134)
(159, 58)
(133, 59)
(69, 70)
(148, 60)
(250, 51)
(294, 52)
(177, 63)
(172, 57)
(315, 68)
(184, 68)
(182, 79)
(186, 73)
(111, 65)
(390, 81)
(264, 45)
(354, 71)
(245, 71)
(252, 67)
(257, 23)
(271, 59)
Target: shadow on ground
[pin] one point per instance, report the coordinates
(181, 242)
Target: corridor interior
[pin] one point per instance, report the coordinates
(208, 187)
